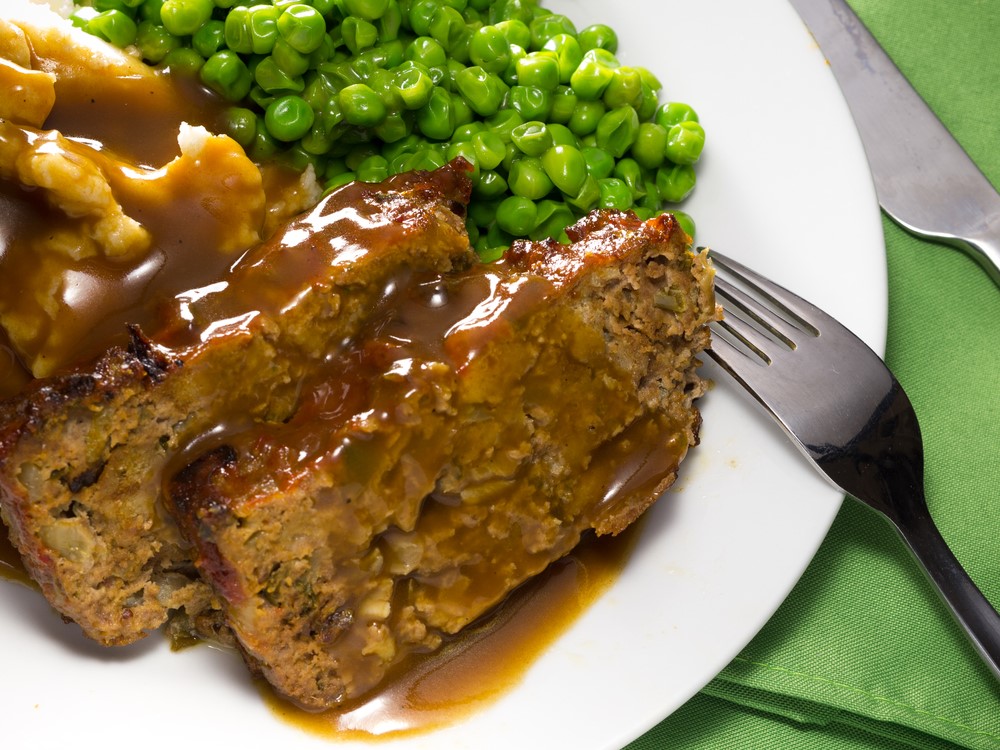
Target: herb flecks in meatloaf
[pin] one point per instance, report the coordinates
(364, 439)
(480, 424)
(83, 456)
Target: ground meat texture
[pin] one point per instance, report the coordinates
(476, 427)
(84, 454)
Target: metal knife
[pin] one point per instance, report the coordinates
(924, 180)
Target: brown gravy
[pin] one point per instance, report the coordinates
(483, 662)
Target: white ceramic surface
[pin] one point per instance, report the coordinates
(783, 186)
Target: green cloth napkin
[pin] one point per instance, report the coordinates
(863, 654)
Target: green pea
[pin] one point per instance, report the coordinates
(209, 38)
(650, 145)
(673, 113)
(322, 136)
(448, 27)
(527, 178)
(566, 167)
(530, 102)
(564, 104)
(361, 105)
(113, 26)
(154, 41)
(483, 91)
(628, 171)
(510, 74)
(148, 11)
(80, 17)
(685, 221)
(302, 27)
(288, 59)
(538, 69)
(649, 101)
(414, 86)
(532, 138)
(264, 146)
(263, 21)
(617, 130)
(472, 230)
(359, 34)
(184, 17)
(390, 22)
(483, 212)
(125, 6)
(420, 15)
(369, 10)
(624, 90)
(262, 98)
(393, 128)
(468, 152)
(568, 54)
(562, 136)
(288, 118)
(426, 51)
(383, 83)
(238, 32)
(516, 215)
(426, 159)
(591, 77)
(298, 159)
(675, 182)
(685, 142)
(184, 61)
(600, 164)
(551, 219)
(386, 55)
(598, 36)
(272, 79)
(464, 133)
(461, 112)
(490, 149)
(587, 196)
(491, 185)
(435, 118)
(227, 75)
(614, 194)
(544, 28)
(338, 181)
(241, 125)
(516, 32)
(586, 117)
(488, 48)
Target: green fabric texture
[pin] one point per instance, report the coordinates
(863, 654)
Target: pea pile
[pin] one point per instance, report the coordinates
(553, 124)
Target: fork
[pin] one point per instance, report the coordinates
(842, 407)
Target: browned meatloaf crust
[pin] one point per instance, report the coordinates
(362, 439)
(83, 456)
(467, 437)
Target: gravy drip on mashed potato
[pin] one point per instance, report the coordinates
(114, 194)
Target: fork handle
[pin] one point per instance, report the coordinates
(970, 608)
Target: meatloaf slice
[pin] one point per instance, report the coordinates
(83, 455)
(465, 439)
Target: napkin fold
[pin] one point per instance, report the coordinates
(863, 654)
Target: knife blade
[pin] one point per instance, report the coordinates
(924, 180)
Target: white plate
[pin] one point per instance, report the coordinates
(784, 186)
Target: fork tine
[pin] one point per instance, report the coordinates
(797, 310)
(736, 305)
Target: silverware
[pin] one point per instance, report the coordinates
(845, 411)
(924, 179)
